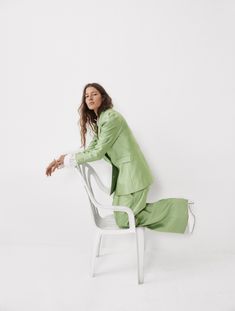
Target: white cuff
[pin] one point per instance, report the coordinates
(69, 160)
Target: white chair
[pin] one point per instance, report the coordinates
(107, 224)
(191, 218)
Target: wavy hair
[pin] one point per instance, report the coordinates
(87, 116)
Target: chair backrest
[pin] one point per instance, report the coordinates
(86, 172)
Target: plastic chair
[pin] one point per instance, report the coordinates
(191, 218)
(107, 224)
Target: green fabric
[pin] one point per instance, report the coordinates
(132, 176)
(166, 215)
(115, 172)
(116, 144)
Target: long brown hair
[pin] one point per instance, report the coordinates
(87, 116)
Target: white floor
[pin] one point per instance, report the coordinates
(57, 278)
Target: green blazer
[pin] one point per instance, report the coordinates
(116, 144)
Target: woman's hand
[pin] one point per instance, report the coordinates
(55, 164)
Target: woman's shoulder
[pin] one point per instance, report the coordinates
(109, 113)
(110, 116)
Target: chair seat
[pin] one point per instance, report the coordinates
(108, 223)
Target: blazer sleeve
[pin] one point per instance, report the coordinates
(92, 143)
(110, 128)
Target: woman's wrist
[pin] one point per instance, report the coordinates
(60, 161)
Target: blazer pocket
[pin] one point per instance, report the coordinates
(126, 158)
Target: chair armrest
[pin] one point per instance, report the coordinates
(120, 208)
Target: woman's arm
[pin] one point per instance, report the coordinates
(110, 128)
(92, 143)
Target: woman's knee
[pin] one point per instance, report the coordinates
(121, 219)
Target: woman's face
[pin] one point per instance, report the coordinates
(93, 98)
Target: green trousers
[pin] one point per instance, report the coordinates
(166, 215)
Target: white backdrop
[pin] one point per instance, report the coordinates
(169, 68)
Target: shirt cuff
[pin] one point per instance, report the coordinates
(69, 160)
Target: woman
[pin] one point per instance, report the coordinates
(131, 175)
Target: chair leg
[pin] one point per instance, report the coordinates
(98, 246)
(95, 251)
(140, 253)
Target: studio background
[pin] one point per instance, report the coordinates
(172, 78)
(169, 68)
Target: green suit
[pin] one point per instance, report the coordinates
(117, 145)
(131, 177)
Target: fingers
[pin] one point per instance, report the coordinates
(51, 167)
(48, 171)
(55, 164)
(55, 167)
